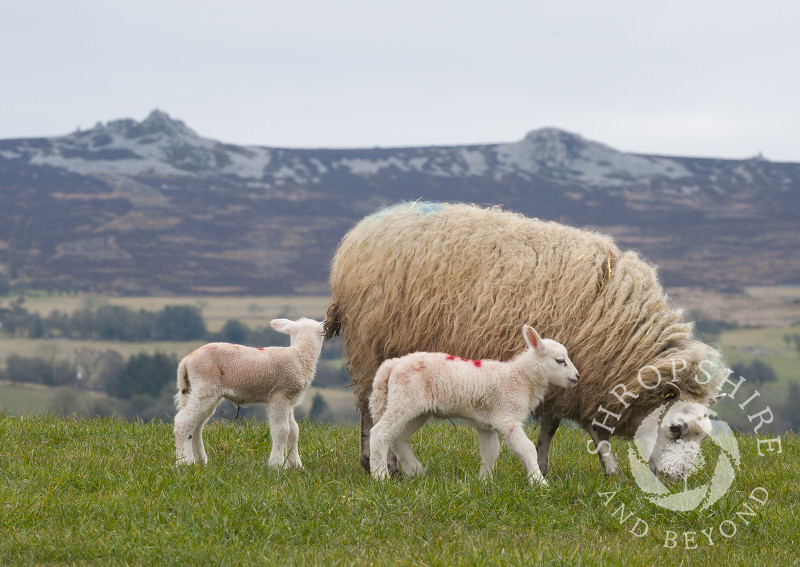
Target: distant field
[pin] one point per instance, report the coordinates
(255, 311)
(17, 399)
(31, 398)
(761, 306)
(60, 348)
(746, 345)
(764, 306)
(773, 309)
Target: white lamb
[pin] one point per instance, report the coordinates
(496, 396)
(275, 376)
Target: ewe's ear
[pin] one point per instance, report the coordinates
(712, 400)
(531, 336)
(670, 392)
(281, 325)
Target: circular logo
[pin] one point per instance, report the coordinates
(682, 458)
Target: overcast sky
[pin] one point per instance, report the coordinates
(715, 78)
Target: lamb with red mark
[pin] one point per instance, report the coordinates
(495, 396)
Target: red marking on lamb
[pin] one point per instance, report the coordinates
(477, 363)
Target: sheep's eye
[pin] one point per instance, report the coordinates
(561, 361)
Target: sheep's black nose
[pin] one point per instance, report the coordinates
(675, 430)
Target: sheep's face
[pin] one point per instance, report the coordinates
(674, 439)
(554, 362)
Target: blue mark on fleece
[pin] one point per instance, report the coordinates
(419, 207)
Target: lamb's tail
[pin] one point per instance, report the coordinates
(380, 390)
(183, 386)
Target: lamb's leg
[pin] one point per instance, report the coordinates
(279, 430)
(489, 443)
(188, 428)
(198, 449)
(524, 449)
(547, 428)
(379, 441)
(184, 426)
(383, 436)
(402, 447)
(294, 436)
(603, 449)
(366, 427)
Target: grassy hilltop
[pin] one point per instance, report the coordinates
(103, 491)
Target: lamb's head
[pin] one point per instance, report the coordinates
(671, 436)
(303, 327)
(554, 363)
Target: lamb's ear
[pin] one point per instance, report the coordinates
(670, 392)
(712, 400)
(281, 325)
(531, 336)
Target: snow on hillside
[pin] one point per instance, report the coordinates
(560, 155)
(160, 145)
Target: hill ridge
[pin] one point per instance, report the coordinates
(153, 207)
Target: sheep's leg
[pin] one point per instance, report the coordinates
(279, 430)
(391, 463)
(547, 428)
(366, 443)
(294, 436)
(603, 450)
(489, 444)
(402, 447)
(524, 449)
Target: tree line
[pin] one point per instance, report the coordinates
(143, 385)
(106, 322)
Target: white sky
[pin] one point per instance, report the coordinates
(716, 78)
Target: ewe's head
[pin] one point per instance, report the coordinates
(554, 363)
(303, 326)
(671, 436)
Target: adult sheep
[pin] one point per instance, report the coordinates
(462, 279)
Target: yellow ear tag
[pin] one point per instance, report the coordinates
(668, 395)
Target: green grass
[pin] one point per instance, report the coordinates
(101, 491)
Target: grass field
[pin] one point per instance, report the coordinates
(100, 491)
